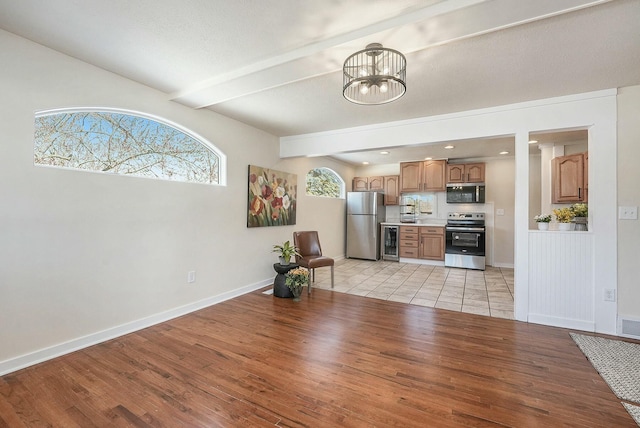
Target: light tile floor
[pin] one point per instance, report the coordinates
(488, 292)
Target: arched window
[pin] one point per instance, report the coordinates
(126, 143)
(325, 182)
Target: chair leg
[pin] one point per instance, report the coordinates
(309, 285)
(331, 276)
(313, 273)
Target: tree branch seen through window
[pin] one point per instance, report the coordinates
(125, 144)
(324, 182)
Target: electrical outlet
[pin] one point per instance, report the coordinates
(628, 213)
(191, 276)
(499, 211)
(609, 295)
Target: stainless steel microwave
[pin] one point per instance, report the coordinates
(465, 193)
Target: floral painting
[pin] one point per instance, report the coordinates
(272, 197)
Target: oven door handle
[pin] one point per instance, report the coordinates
(464, 229)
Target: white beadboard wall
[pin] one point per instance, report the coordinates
(561, 279)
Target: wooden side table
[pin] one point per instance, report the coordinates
(280, 289)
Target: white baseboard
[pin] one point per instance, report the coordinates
(562, 322)
(422, 261)
(26, 360)
(503, 265)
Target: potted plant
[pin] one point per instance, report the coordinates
(581, 212)
(543, 221)
(564, 217)
(286, 251)
(295, 280)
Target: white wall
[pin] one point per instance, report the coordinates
(535, 207)
(628, 195)
(500, 182)
(86, 256)
(326, 215)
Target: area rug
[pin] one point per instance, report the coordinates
(618, 363)
(634, 411)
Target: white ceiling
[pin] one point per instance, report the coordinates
(276, 64)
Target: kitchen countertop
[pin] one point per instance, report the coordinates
(427, 223)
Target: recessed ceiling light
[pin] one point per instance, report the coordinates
(533, 141)
(504, 153)
(365, 163)
(448, 147)
(428, 158)
(384, 153)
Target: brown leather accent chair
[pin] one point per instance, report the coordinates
(308, 245)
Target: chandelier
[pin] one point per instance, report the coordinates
(374, 75)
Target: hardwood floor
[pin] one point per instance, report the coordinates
(331, 360)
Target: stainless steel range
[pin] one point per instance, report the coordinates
(465, 241)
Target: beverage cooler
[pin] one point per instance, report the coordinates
(390, 240)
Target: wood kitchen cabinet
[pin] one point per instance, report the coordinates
(387, 184)
(568, 177)
(376, 183)
(423, 176)
(433, 176)
(431, 243)
(465, 173)
(409, 240)
(391, 189)
(422, 242)
(363, 184)
(360, 184)
(410, 176)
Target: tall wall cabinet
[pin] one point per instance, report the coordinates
(391, 189)
(569, 177)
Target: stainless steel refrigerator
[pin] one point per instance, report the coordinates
(365, 212)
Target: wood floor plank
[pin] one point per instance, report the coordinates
(332, 359)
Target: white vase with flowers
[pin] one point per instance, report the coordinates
(542, 220)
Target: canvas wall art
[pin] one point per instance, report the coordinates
(272, 197)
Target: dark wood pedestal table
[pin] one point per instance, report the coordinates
(280, 289)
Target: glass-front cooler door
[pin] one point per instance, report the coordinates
(390, 243)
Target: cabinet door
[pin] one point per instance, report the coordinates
(474, 172)
(431, 246)
(568, 178)
(410, 178)
(434, 176)
(360, 184)
(376, 183)
(391, 193)
(455, 173)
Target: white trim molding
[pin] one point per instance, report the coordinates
(60, 349)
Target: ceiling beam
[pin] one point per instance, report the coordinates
(458, 19)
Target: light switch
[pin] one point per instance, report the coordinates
(499, 211)
(628, 213)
